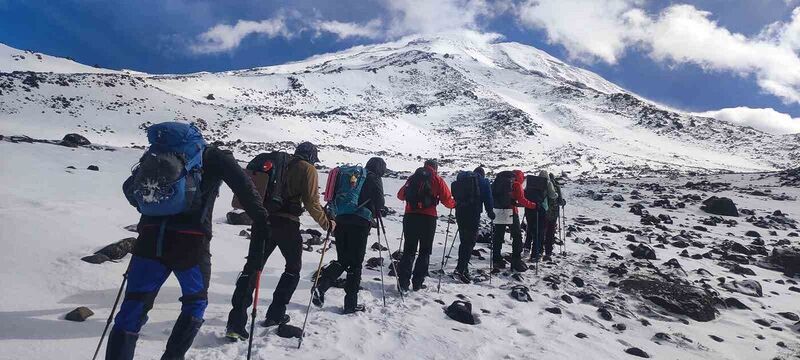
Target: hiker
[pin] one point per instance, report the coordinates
(354, 212)
(175, 231)
(299, 191)
(508, 195)
(556, 201)
(423, 191)
(472, 193)
(540, 190)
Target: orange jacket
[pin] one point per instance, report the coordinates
(518, 193)
(440, 191)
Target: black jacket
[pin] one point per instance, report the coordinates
(218, 166)
(371, 193)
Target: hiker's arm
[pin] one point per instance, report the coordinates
(378, 202)
(444, 194)
(401, 195)
(519, 195)
(311, 198)
(486, 194)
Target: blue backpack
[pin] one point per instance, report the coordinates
(167, 179)
(349, 182)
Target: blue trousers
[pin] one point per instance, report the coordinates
(145, 278)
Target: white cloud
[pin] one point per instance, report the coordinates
(224, 37)
(435, 16)
(344, 30)
(604, 29)
(767, 120)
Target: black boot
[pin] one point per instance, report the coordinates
(281, 297)
(183, 333)
(353, 309)
(121, 345)
(327, 277)
(272, 322)
(517, 265)
(462, 276)
(351, 286)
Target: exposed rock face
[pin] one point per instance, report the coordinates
(720, 206)
(786, 260)
(675, 297)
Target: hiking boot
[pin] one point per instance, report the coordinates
(418, 287)
(271, 322)
(462, 277)
(533, 259)
(518, 266)
(402, 288)
(236, 334)
(547, 258)
(499, 264)
(317, 297)
(354, 309)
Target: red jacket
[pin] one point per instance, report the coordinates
(518, 193)
(440, 191)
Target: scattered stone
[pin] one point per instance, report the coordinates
(752, 233)
(720, 206)
(378, 247)
(637, 352)
(643, 251)
(74, 140)
(619, 327)
(763, 322)
(676, 297)
(567, 299)
(578, 281)
(461, 311)
(604, 314)
(521, 293)
(289, 331)
(741, 270)
(553, 310)
(747, 287)
(93, 168)
(581, 336)
(732, 302)
(238, 217)
(790, 315)
(79, 314)
(716, 338)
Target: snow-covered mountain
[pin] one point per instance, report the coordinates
(456, 97)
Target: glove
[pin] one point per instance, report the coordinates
(562, 202)
(491, 215)
(384, 211)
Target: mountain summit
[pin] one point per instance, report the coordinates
(462, 97)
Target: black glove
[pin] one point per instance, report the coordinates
(491, 215)
(562, 202)
(384, 212)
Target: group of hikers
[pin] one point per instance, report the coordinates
(177, 180)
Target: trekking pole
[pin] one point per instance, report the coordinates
(446, 235)
(113, 309)
(316, 281)
(491, 251)
(564, 230)
(253, 315)
(380, 254)
(452, 245)
(396, 274)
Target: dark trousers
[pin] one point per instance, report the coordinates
(468, 233)
(550, 236)
(286, 237)
(516, 237)
(536, 231)
(351, 246)
(419, 231)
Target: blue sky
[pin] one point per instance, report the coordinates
(649, 47)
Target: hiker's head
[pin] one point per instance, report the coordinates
(433, 164)
(480, 171)
(376, 165)
(308, 152)
(544, 174)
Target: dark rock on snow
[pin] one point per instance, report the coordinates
(720, 206)
(289, 331)
(637, 352)
(79, 314)
(74, 140)
(676, 297)
(643, 251)
(461, 311)
(238, 218)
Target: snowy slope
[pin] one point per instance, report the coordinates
(51, 216)
(457, 97)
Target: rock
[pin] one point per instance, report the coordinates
(378, 247)
(244, 233)
(578, 281)
(676, 297)
(74, 140)
(790, 315)
(567, 299)
(95, 259)
(237, 217)
(716, 338)
(612, 229)
(93, 168)
(461, 311)
(720, 206)
(618, 198)
(762, 322)
(604, 314)
(581, 336)
(786, 260)
(741, 270)
(553, 310)
(111, 252)
(637, 352)
(700, 228)
(794, 288)
(374, 263)
(619, 327)
(643, 251)
(210, 97)
(752, 233)
(289, 331)
(732, 302)
(79, 314)
(747, 287)
(132, 228)
(521, 293)
(738, 248)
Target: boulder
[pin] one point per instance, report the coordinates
(461, 311)
(720, 206)
(674, 296)
(643, 251)
(238, 218)
(74, 140)
(289, 331)
(746, 287)
(93, 168)
(786, 260)
(521, 293)
(79, 314)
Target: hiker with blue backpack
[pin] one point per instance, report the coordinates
(174, 187)
(356, 200)
(508, 195)
(473, 194)
(293, 189)
(422, 192)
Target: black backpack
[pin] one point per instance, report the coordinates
(535, 188)
(419, 191)
(502, 187)
(466, 189)
(268, 173)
